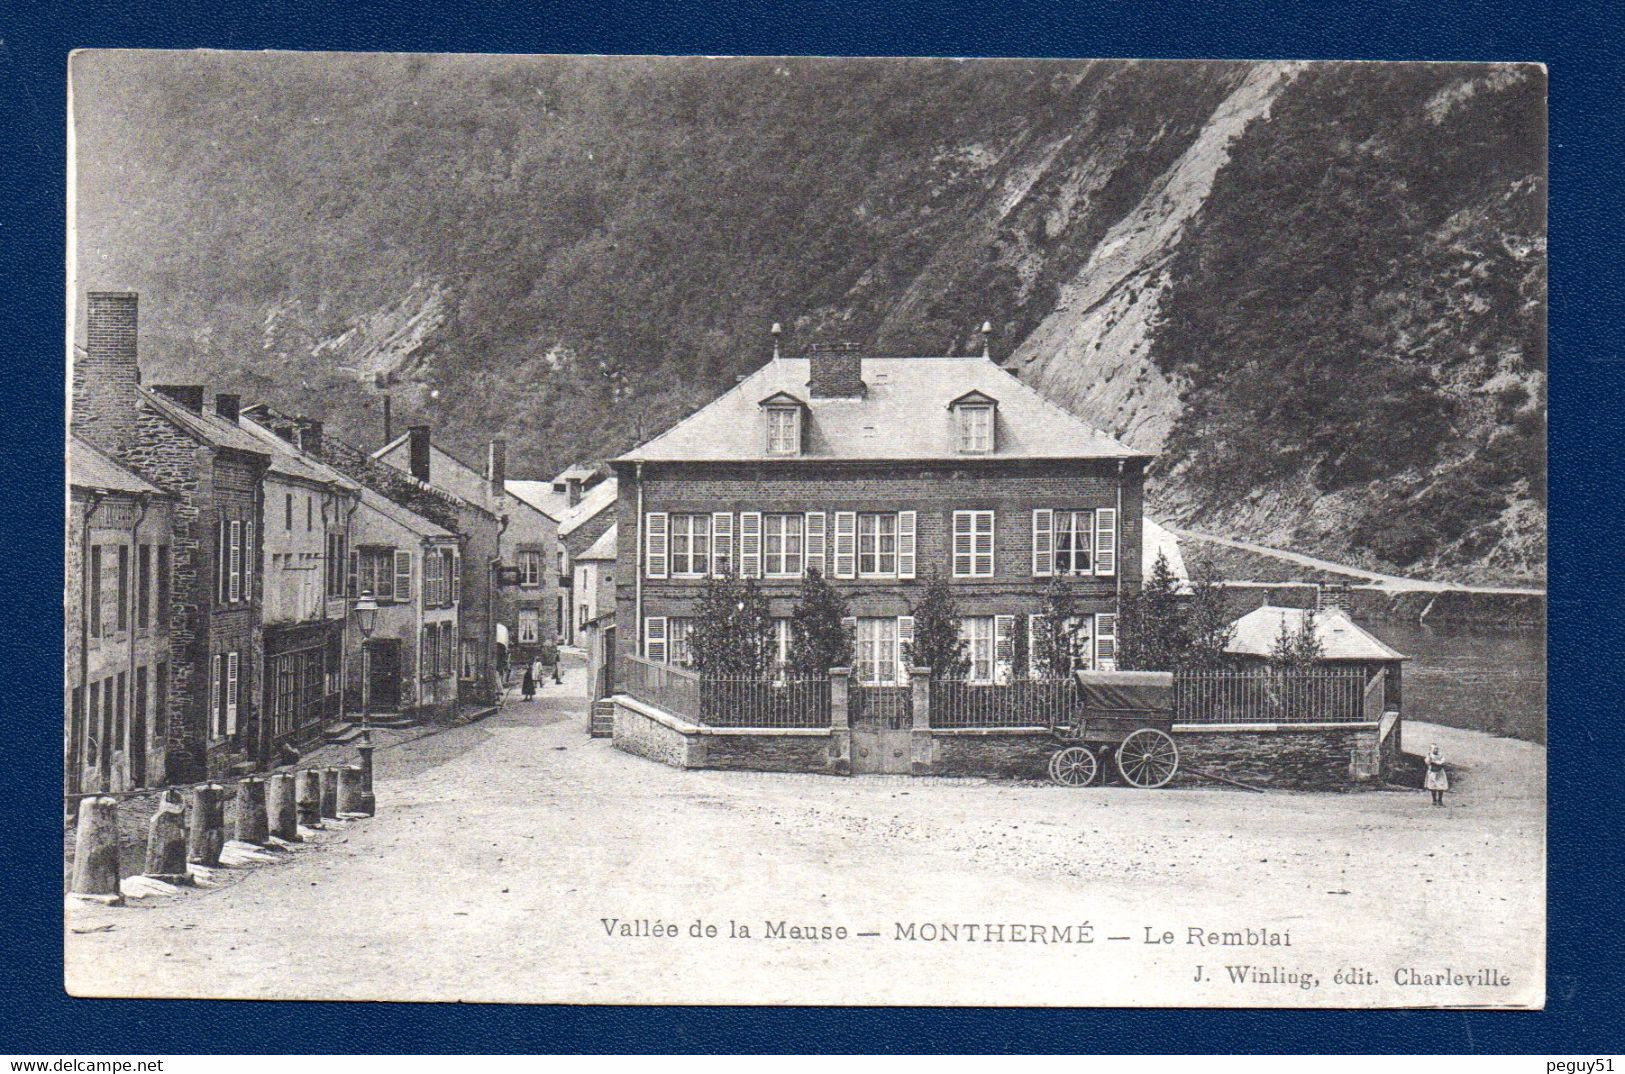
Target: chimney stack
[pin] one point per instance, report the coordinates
(310, 436)
(189, 396)
(417, 451)
(836, 371)
(496, 465)
(228, 406)
(106, 378)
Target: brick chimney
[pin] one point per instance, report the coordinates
(496, 465)
(417, 451)
(228, 406)
(836, 371)
(189, 396)
(107, 376)
(310, 436)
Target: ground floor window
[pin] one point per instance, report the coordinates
(680, 634)
(877, 651)
(530, 626)
(977, 631)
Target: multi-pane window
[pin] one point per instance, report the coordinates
(877, 545)
(143, 587)
(877, 650)
(530, 568)
(680, 638)
(783, 430)
(973, 544)
(530, 626)
(375, 573)
(335, 565)
(781, 545)
(978, 634)
(975, 428)
(691, 545)
(1077, 635)
(1074, 542)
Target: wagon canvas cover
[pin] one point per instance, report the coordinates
(1127, 691)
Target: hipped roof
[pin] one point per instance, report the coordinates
(1341, 638)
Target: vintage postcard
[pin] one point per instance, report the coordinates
(991, 532)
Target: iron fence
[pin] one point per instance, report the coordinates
(1021, 702)
(878, 705)
(717, 701)
(1321, 695)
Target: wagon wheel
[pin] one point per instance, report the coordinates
(1073, 766)
(1148, 758)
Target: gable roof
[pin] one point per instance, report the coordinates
(440, 458)
(603, 548)
(289, 461)
(209, 428)
(1340, 637)
(901, 417)
(1158, 538)
(90, 468)
(593, 501)
(404, 516)
(540, 495)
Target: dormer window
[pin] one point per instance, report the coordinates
(782, 417)
(974, 423)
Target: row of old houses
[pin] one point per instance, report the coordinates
(238, 582)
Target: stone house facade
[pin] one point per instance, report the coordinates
(116, 618)
(214, 472)
(880, 473)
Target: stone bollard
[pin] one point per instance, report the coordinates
(330, 791)
(350, 792)
(252, 826)
(95, 852)
(206, 834)
(309, 784)
(282, 807)
(364, 747)
(166, 841)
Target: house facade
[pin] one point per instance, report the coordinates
(526, 545)
(593, 579)
(116, 617)
(192, 448)
(583, 501)
(308, 515)
(880, 473)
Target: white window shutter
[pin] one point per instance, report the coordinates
(1033, 623)
(722, 543)
(1043, 542)
(403, 575)
(750, 544)
(816, 541)
(654, 526)
(232, 671)
(846, 544)
(1105, 642)
(248, 561)
(906, 524)
(235, 592)
(1106, 540)
(1004, 647)
(654, 638)
(456, 578)
(905, 637)
(986, 528)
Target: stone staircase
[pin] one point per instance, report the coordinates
(603, 718)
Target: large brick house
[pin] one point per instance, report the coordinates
(880, 472)
(192, 448)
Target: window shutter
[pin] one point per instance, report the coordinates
(248, 561)
(846, 544)
(985, 522)
(905, 638)
(722, 543)
(906, 521)
(354, 581)
(816, 523)
(456, 577)
(223, 560)
(234, 569)
(654, 528)
(1004, 648)
(1105, 642)
(1033, 623)
(217, 675)
(1106, 540)
(654, 638)
(403, 575)
(232, 670)
(1043, 542)
(750, 544)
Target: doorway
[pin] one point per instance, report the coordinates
(384, 675)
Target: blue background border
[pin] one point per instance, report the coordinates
(1586, 961)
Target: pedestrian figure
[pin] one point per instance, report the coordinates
(528, 687)
(1438, 780)
(537, 671)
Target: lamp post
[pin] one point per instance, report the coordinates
(366, 620)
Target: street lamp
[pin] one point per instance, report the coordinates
(366, 620)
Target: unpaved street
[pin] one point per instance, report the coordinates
(516, 859)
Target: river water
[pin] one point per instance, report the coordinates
(1485, 678)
